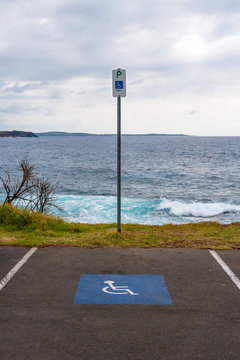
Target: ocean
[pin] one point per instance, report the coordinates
(165, 179)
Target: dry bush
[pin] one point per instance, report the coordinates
(29, 191)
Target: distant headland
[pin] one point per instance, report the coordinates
(62, 133)
(16, 133)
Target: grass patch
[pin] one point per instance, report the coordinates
(24, 228)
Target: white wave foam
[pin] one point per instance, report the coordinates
(103, 209)
(199, 209)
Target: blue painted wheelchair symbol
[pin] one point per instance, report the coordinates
(119, 85)
(122, 289)
(117, 290)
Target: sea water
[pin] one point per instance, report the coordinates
(165, 179)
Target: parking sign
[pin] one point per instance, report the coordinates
(119, 82)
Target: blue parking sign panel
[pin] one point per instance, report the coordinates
(118, 85)
(122, 289)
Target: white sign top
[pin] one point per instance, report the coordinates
(119, 82)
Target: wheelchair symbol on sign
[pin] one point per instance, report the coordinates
(117, 290)
(119, 85)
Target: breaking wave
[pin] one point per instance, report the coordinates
(102, 209)
(204, 210)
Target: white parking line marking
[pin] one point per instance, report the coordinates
(12, 272)
(232, 276)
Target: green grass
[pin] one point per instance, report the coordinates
(24, 228)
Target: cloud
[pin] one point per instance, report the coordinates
(63, 51)
(192, 112)
(22, 88)
(76, 37)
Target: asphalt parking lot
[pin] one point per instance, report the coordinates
(39, 319)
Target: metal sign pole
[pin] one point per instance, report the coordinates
(119, 90)
(119, 163)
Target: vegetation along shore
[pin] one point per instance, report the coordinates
(28, 228)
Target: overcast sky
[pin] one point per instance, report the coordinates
(182, 59)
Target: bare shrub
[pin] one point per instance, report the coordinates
(28, 190)
(44, 196)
